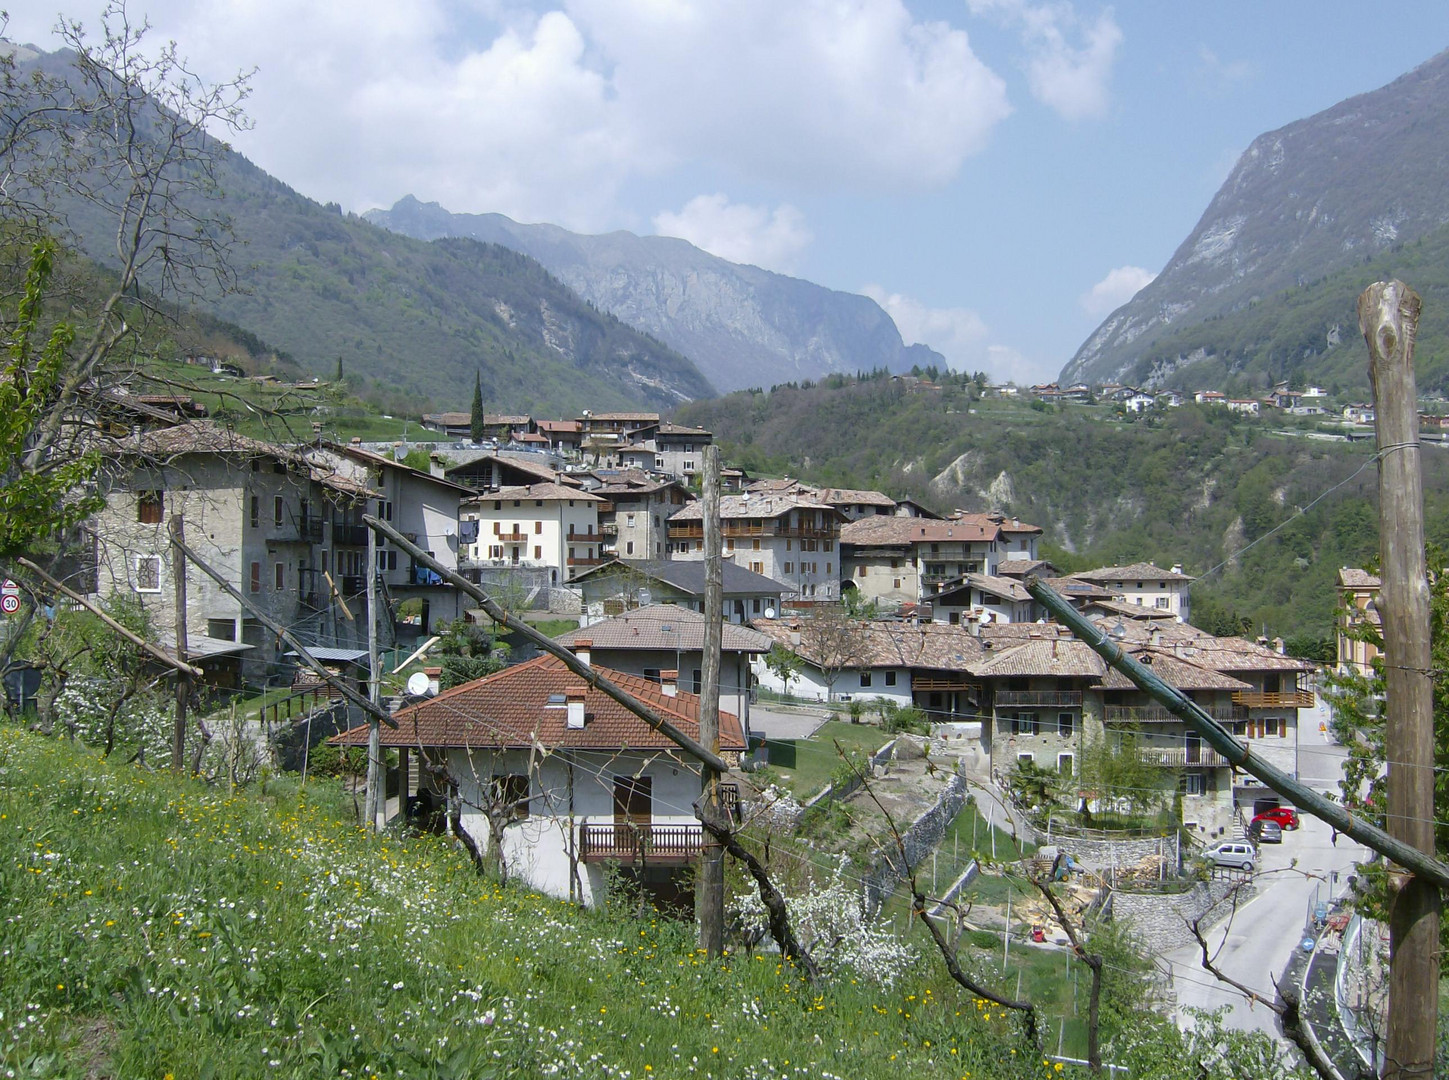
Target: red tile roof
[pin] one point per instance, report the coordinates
(511, 710)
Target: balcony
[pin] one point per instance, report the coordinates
(1040, 699)
(1294, 699)
(640, 843)
(1180, 757)
(1156, 714)
(580, 561)
(514, 537)
(344, 535)
(943, 682)
(585, 538)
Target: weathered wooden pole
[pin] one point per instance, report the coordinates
(374, 802)
(709, 898)
(1388, 315)
(177, 528)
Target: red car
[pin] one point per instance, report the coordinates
(1285, 816)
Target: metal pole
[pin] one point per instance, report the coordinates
(1388, 315)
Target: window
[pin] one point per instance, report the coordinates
(538, 528)
(890, 677)
(279, 576)
(512, 794)
(755, 606)
(1066, 765)
(629, 519)
(149, 507)
(698, 681)
(1025, 724)
(757, 545)
(279, 509)
(629, 548)
(148, 573)
(864, 679)
(1190, 783)
(896, 583)
(1163, 602)
(827, 568)
(256, 577)
(1025, 759)
(757, 567)
(1065, 723)
(829, 545)
(495, 551)
(689, 466)
(384, 509)
(789, 548)
(221, 629)
(256, 510)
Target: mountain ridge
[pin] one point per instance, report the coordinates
(1304, 201)
(742, 325)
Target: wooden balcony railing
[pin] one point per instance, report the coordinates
(1179, 757)
(1156, 714)
(585, 537)
(580, 561)
(1042, 699)
(1293, 699)
(943, 682)
(511, 537)
(631, 843)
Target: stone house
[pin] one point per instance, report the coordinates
(1145, 585)
(615, 587)
(792, 539)
(634, 515)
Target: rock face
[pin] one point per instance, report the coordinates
(742, 326)
(1316, 196)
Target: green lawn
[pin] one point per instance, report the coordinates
(817, 757)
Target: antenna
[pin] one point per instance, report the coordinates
(419, 684)
(769, 613)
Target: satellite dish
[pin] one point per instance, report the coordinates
(769, 613)
(419, 684)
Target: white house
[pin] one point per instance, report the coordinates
(1144, 584)
(545, 527)
(577, 782)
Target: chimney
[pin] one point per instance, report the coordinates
(669, 682)
(583, 650)
(1280, 646)
(1177, 568)
(1156, 637)
(575, 702)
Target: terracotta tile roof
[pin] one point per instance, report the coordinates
(1005, 524)
(668, 428)
(563, 427)
(1005, 588)
(512, 710)
(887, 530)
(664, 626)
(687, 575)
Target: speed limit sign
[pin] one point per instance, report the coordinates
(9, 603)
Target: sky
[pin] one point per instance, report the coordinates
(998, 174)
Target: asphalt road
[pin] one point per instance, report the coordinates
(1253, 945)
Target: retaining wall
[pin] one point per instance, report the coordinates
(920, 839)
(1162, 919)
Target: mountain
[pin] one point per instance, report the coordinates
(418, 319)
(742, 325)
(1321, 196)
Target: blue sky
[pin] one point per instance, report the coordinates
(998, 173)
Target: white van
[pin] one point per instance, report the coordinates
(1237, 854)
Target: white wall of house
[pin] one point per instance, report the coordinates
(535, 533)
(877, 575)
(885, 684)
(570, 789)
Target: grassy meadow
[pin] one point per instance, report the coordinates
(157, 928)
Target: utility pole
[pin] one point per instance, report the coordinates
(1388, 315)
(709, 899)
(176, 527)
(374, 802)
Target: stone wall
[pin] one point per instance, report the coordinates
(920, 840)
(1162, 920)
(1104, 854)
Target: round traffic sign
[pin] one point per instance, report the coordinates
(9, 604)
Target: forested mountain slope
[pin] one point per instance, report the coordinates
(742, 325)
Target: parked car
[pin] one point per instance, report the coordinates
(1285, 816)
(1238, 854)
(1264, 830)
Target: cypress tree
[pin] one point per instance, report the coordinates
(475, 427)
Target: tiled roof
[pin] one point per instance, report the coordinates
(687, 575)
(887, 530)
(887, 643)
(206, 437)
(448, 419)
(530, 468)
(668, 428)
(548, 491)
(1175, 671)
(650, 417)
(664, 626)
(560, 426)
(1075, 588)
(1005, 524)
(1130, 611)
(1142, 571)
(855, 497)
(1351, 577)
(753, 506)
(512, 710)
(1022, 567)
(1060, 657)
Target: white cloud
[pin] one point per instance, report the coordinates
(1222, 75)
(549, 111)
(756, 235)
(959, 334)
(1114, 290)
(1070, 77)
